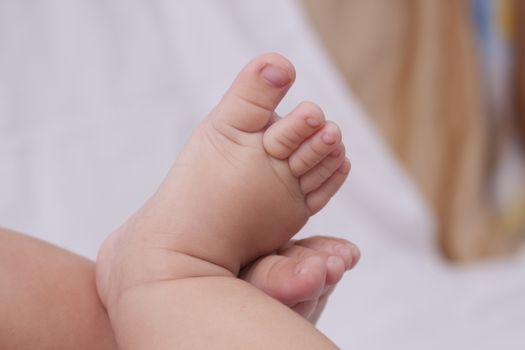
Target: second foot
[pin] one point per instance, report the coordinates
(303, 274)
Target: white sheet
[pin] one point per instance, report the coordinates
(97, 97)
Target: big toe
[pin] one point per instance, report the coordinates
(249, 103)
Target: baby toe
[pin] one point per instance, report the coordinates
(316, 176)
(284, 136)
(249, 103)
(315, 149)
(318, 198)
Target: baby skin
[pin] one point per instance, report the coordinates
(245, 183)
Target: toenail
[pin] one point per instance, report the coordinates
(275, 76)
(301, 268)
(314, 123)
(329, 138)
(335, 261)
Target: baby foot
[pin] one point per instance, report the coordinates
(303, 274)
(244, 184)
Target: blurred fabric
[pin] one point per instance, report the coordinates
(97, 98)
(435, 76)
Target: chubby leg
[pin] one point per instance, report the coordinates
(201, 313)
(48, 298)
